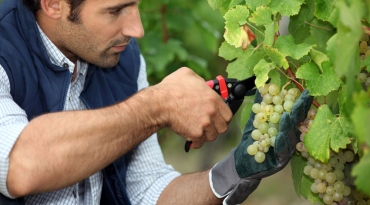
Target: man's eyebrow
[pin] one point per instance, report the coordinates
(119, 6)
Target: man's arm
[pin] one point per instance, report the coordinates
(57, 150)
(191, 188)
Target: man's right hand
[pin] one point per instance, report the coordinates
(193, 110)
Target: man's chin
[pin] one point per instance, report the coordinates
(108, 62)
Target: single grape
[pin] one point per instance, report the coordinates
(255, 123)
(289, 97)
(311, 160)
(264, 143)
(275, 117)
(256, 108)
(333, 162)
(363, 47)
(318, 165)
(268, 109)
(259, 157)
(339, 166)
(288, 105)
(331, 177)
(328, 199)
(263, 127)
(349, 156)
(293, 91)
(273, 89)
(337, 196)
(362, 77)
(330, 190)
(300, 147)
(264, 89)
(256, 134)
(272, 131)
(339, 174)
(261, 117)
(339, 186)
(252, 149)
(277, 100)
(314, 173)
(279, 109)
(267, 98)
(307, 170)
(322, 174)
(358, 195)
(321, 187)
(346, 191)
(284, 92)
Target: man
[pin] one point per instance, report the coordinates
(78, 120)
(73, 128)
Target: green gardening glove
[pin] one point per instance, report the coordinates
(238, 175)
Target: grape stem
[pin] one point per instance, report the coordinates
(299, 86)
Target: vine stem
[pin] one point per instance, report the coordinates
(164, 24)
(299, 86)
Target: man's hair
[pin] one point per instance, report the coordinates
(74, 15)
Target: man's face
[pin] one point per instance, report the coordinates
(103, 31)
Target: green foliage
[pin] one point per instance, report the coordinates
(180, 33)
(320, 53)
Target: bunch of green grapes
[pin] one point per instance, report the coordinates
(332, 181)
(267, 118)
(364, 76)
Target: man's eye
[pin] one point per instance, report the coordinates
(115, 12)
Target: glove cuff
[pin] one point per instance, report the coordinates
(223, 176)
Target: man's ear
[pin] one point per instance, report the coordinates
(52, 8)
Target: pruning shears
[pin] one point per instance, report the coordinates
(232, 91)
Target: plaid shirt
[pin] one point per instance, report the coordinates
(147, 174)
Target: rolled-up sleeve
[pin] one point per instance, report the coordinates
(148, 174)
(12, 122)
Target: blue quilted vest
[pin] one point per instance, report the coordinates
(40, 87)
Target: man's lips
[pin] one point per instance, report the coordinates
(119, 48)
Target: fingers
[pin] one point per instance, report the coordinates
(192, 109)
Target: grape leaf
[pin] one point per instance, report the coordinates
(366, 64)
(327, 131)
(362, 174)
(286, 45)
(361, 117)
(243, 66)
(318, 57)
(270, 32)
(281, 6)
(229, 52)
(253, 4)
(321, 33)
(277, 57)
(262, 70)
(262, 16)
(299, 26)
(237, 32)
(215, 4)
(346, 49)
(302, 183)
(324, 8)
(319, 83)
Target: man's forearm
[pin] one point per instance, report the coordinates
(60, 149)
(188, 189)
